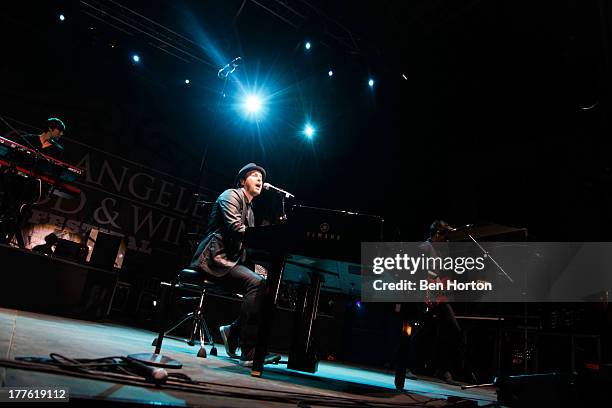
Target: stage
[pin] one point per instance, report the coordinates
(220, 380)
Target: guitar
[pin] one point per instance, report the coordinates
(436, 296)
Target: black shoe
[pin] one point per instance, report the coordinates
(410, 375)
(448, 378)
(246, 359)
(230, 343)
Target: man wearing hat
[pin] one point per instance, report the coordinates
(221, 256)
(440, 334)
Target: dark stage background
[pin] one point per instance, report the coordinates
(502, 117)
(481, 111)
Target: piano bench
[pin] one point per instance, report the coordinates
(189, 279)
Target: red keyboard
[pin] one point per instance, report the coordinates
(36, 164)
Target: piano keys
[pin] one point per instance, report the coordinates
(31, 163)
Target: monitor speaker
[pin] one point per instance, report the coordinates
(70, 250)
(105, 250)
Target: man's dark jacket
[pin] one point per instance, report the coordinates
(221, 249)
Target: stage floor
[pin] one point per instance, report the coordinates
(25, 334)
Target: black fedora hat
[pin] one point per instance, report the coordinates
(246, 169)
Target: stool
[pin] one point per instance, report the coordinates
(187, 279)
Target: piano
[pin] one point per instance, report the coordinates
(32, 163)
(20, 168)
(321, 243)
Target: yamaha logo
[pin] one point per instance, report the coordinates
(323, 233)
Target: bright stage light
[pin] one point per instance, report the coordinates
(187, 81)
(252, 104)
(330, 73)
(307, 45)
(62, 17)
(136, 58)
(371, 83)
(309, 131)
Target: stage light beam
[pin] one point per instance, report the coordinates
(187, 81)
(309, 131)
(62, 17)
(330, 73)
(136, 58)
(307, 45)
(252, 104)
(371, 83)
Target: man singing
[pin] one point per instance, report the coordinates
(221, 257)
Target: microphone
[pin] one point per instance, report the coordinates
(227, 69)
(287, 194)
(155, 375)
(56, 144)
(466, 226)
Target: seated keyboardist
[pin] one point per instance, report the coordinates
(48, 142)
(221, 258)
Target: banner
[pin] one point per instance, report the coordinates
(151, 210)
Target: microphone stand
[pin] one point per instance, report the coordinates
(498, 363)
(284, 195)
(225, 72)
(283, 218)
(215, 120)
(204, 157)
(487, 255)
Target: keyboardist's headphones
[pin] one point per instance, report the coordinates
(56, 123)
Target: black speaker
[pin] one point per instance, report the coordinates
(589, 389)
(531, 390)
(105, 251)
(70, 250)
(53, 285)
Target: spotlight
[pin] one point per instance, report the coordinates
(136, 58)
(358, 304)
(62, 17)
(187, 81)
(309, 131)
(307, 45)
(252, 104)
(330, 73)
(405, 77)
(371, 83)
